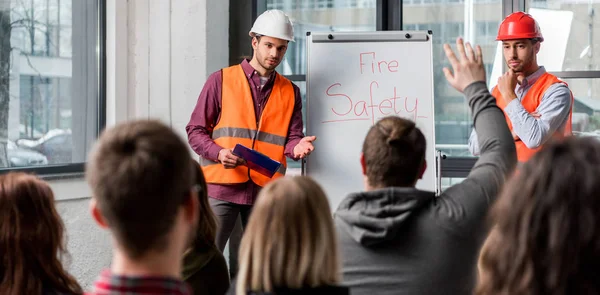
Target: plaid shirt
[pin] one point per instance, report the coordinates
(109, 284)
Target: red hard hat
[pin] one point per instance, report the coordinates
(519, 25)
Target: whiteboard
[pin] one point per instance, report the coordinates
(354, 79)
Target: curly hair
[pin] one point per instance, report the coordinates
(546, 235)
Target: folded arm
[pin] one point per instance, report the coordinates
(553, 113)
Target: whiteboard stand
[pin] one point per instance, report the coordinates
(353, 79)
(438, 172)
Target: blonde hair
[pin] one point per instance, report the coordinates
(290, 240)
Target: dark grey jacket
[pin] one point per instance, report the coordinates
(406, 241)
(321, 290)
(324, 290)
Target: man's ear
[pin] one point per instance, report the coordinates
(363, 164)
(423, 168)
(254, 43)
(537, 46)
(97, 215)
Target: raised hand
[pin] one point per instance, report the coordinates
(468, 69)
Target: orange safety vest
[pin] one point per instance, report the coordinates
(238, 124)
(530, 102)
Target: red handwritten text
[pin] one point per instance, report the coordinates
(365, 57)
(348, 109)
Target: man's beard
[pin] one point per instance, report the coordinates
(267, 66)
(518, 68)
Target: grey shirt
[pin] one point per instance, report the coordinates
(407, 241)
(554, 110)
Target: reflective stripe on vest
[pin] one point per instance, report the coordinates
(238, 124)
(530, 102)
(205, 162)
(248, 133)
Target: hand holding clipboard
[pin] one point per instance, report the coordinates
(257, 161)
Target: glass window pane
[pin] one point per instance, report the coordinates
(319, 15)
(53, 9)
(450, 181)
(571, 32)
(586, 110)
(64, 13)
(447, 21)
(64, 45)
(41, 40)
(47, 110)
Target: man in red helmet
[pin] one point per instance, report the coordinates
(537, 105)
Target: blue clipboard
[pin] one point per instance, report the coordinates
(257, 161)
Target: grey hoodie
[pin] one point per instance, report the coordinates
(406, 241)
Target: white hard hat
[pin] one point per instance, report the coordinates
(273, 23)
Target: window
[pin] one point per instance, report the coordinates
(50, 102)
(572, 37)
(324, 4)
(449, 181)
(486, 1)
(318, 4)
(477, 21)
(326, 16)
(570, 49)
(451, 31)
(410, 27)
(447, 21)
(486, 31)
(319, 15)
(275, 4)
(436, 28)
(586, 107)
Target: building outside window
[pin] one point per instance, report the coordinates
(49, 96)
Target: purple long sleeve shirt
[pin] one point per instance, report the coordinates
(206, 115)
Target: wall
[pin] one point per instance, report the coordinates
(159, 53)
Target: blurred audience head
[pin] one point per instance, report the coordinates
(144, 188)
(393, 154)
(32, 239)
(290, 241)
(546, 234)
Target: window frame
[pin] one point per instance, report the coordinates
(72, 170)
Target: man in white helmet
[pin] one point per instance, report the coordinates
(250, 104)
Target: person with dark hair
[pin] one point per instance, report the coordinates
(537, 104)
(32, 239)
(397, 239)
(252, 105)
(144, 192)
(546, 235)
(204, 267)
